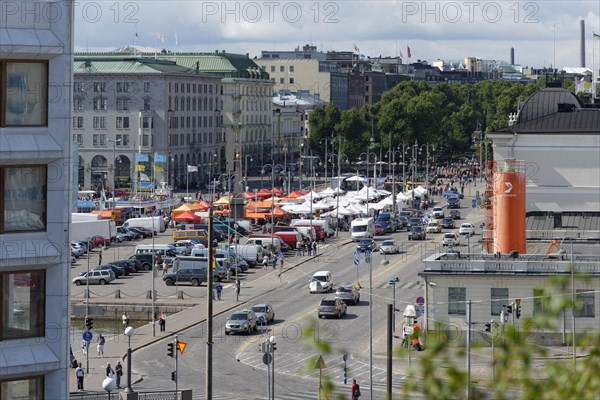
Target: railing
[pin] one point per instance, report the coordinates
(156, 395)
(559, 234)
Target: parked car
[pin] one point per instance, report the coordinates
(94, 278)
(349, 294)
(264, 312)
(127, 267)
(366, 244)
(437, 212)
(242, 321)
(183, 247)
(145, 259)
(466, 228)
(77, 250)
(332, 307)
(379, 230)
(73, 259)
(130, 234)
(448, 223)
(451, 239)
(137, 264)
(116, 270)
(121, 237)
(141, 231)
(389, 247)
(454, 214)
(417, 233)
(195, 276)
(98, 241)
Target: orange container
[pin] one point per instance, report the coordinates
(509, 207)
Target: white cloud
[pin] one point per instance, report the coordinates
(539, 31)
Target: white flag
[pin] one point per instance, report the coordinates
(160, 37)
(192, 168)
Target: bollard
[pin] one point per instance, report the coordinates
(148, 294)
(180, 294)
(87, 294)
(118, 294)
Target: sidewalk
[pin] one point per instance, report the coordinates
(115, 348)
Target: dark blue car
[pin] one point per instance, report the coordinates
(387, 222)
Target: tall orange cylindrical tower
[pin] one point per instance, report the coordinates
(509, 206)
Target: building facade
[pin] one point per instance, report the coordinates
(36, 49)
(168, 114)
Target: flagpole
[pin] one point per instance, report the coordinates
(187, 183)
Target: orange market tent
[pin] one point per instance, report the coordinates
(295, 194)
(248, 195)
(277, 212)
(202, 206)
(183, 208)
(187, 216)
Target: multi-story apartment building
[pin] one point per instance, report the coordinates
(36, 47)
(169, 114)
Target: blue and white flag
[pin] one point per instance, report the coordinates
(160, 157)
(142, 157)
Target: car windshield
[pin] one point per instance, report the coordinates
(259, 309)
(328, 302)
(359, 228)
(342, 290)
(320, 278)
(449, 236)
(238, 317)
(365, 242)
(388, 243)
(416, 229)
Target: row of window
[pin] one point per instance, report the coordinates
(23, 93)
(120, 123)
(281, 68)
(282, 81)
(190, 122)
(188, 139)
(100, 140)
(206, 88)
(101, 87)
(193, 104)
(457, 302)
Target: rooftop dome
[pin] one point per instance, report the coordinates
(545, 102)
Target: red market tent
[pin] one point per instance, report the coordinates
(187, 216)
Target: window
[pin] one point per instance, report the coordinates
(23, 303)
(77, 104)
(122, 104)
(23, 199)
(78, 87)
(499, 299)
(79, 139)
(147, 87)
(99, 104)
(272, 68)
(99, 87)
(210, 119)
(125, 140)
(24, 92)
(282, 68)
(538, 302)
(145, 140)
(457, 298)
(146, 104)
(125, 104)
(291, 80)
(282, 80)
(176, 87)
(122, 122)
(96, 122)
(78, 122)
(122, 87)
(23, 388)
(291, 68)
(585, 304)
(96, 139)
(146, 122)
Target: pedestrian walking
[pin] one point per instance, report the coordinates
(100, 258)
(314, 248)
(119, 373)
(300, 248)
(109, 371)
(281, 261)
(100, 346)
(219, 289)
(85, 345)
(125, 319)
(237, 287)
(355, 390)
(265, 261)
(79, 374)
(162, 321)
(274, 261)
(165, 267)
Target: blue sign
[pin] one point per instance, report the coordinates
(420, 309)
(356, 254)
(261, 319)
(281, 255)
(368, 253)
(356, 261)
(87, 336)
(474, 203)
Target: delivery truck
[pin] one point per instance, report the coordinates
(82, 230)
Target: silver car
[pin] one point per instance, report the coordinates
(264, 312)
(349, 294)
(389, 247)
(332, 307)
(99, 277)
(241, 321)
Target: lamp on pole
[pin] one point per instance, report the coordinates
(114, 142)
(129, 331)
(246, 169)
(300, 166)
(427, 146)
(367, 154)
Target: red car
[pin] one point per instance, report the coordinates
(379, 230)
(99, 241)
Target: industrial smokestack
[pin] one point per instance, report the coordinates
(512, 56)
(582, 43)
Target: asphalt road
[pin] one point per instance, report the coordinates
(238, 370)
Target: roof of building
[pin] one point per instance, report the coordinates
(222, 64)
(555, 110)
(127, 66)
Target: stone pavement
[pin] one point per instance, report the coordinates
(115, 348)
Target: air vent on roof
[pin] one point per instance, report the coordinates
(566, 107)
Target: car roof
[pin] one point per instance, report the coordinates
(388, 241)
(320, 273)
(260, 305)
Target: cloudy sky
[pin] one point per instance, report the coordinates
(542, 32)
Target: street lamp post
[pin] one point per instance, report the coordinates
(427, 146)
(392, 282)
(300, 166)
(114, 142)
(246, 170)
(129, 331)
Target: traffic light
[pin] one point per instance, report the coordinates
(488, 327)
(89, 323)
(174, 376)
(171, 349)
(262, 347)
(518, 312)
(509, 308)
(273, 347)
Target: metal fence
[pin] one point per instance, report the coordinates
(154, 395)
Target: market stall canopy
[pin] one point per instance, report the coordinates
(277, 212)
(312, 196)
(223, 201)
(185, 207)
(356, 178)
(187, 216)
(202, 205)
(295, 194)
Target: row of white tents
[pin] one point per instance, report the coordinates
(337, 203)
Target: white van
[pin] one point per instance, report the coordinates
(362, 228)
(166, 251)
(267, 243)
(156, 224)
